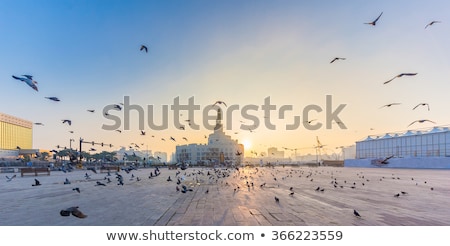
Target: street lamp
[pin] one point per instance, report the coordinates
(70, 143)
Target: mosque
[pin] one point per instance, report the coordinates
(220, 149)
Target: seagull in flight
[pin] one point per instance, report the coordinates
(73, 211)
(422, 104)
(53, 99)
(8, 179)
(173, 139)
(91, 110)
(144, 48)
(220, 102)
(309, 121)
(142, 132)
(67, 121)
(39, 124)
(337, 58)
(421, 121)
(29, 80)
(400, 75)
(390, 104)
(373, 23)
(431, 23)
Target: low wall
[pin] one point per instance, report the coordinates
(418, 162)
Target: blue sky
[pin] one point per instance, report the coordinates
(87, 54)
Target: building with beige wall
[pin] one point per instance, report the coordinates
(15, 132)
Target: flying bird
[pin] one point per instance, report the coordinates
(91, 110)
(309, 121)
(28, 79)
(390, 104)
(38, 124)
(67, 121)
(431, 23)
(356, 213)
(73, 211)
(421, 121)
(373, 23)
(386, 160)
(422, 104)
(337, 58)
(173, 139)
(220, 102)
(8, 179)
(76, 189)
(142, 132)
(400, 75)
(144, 48)
(53, 99)
(117, 106)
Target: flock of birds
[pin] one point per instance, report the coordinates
(374, 23)
(283, 183)
(28, 79)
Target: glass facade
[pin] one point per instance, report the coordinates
(15, 132)
(433, 143)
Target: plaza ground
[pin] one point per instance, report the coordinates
(230, 197)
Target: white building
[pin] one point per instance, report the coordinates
(162, 156)
(220, 149)
(123, 152)
(425, 148)
(426, 143)
(275, 153)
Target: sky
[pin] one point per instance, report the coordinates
(87, 53)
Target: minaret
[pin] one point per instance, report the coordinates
(219, 126)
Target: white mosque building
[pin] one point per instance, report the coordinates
(220, 149)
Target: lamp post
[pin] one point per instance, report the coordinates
(70, 143)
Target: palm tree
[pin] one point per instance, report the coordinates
(44, 156)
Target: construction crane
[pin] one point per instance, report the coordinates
(318, 147)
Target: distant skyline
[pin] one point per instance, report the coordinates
(88, 55)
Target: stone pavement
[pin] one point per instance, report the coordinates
(228, 197)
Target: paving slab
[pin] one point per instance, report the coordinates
(308, 196)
